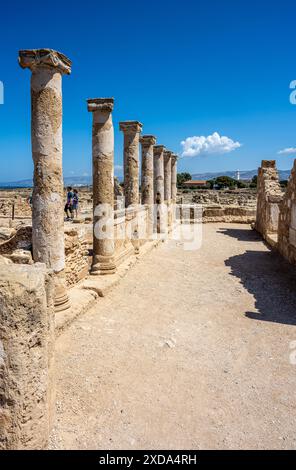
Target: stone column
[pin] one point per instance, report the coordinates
(174, 159)
(103, 185)
(131, 131)
(158, 174)
(160, 209)
(174, 178)
(147, 189)
(168, 185)
(167, 176)
(47, 67)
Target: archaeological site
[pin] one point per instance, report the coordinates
(147, 286)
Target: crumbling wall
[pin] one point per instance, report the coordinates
(77, 255)
(237, 206)
(287, 220)
(269, 197)
(26, 356)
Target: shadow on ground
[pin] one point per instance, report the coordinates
(241, 234)
(271, 280)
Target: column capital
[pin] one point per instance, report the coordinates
(158, 149)
(148, 140)
(48, 58)
(100, 104)
(174, 157)
(167, 154)
(130, 127)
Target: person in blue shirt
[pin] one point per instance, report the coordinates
(75, 203)
(69, 204)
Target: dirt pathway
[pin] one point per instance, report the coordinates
(191, 350)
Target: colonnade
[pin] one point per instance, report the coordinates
(158, 170)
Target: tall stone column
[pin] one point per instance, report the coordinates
(103, 185)
(158, 166)
(160, 208)
(47, 67)
(174, 159)
(167, 176)
(131, 131)
(147, 189)
(168, 185)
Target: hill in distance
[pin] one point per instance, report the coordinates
(244, 175)
(87, 180)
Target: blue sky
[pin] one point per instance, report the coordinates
(184, 69)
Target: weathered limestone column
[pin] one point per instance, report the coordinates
(167, 176)
(131, 131)
(103, 185)
(168, 185)
(27, 377)
(158, 166)
(147, 184)
(47, 67)
(161, 210)
(174, 178)
(174, 159)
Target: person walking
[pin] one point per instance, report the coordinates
(75, 202)
(69, 204)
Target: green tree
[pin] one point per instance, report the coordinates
(253, 183)
(182, 177)
(225, 182)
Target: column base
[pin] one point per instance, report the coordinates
(61, 298)
(103, 265)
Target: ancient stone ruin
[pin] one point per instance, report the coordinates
(40, 262)
(287, 221)
(276, 210)
(269, 197)
(51, 272)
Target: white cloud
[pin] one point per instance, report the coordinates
(201, 145)
(288, 151)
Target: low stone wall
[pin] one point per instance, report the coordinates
(269, 198)
(77, 255)
(237, 206)
(27, 397)
(236, 197)
(287, 221)
(232, 214)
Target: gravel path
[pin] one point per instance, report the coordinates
(191, 350)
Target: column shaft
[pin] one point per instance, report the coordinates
(47, 68)
(103, 185)
(131, 130)
(147, 184)
(167, 176)
(174, 179)
(158, 174)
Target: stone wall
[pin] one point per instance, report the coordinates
(269, 197)
(27, 398)
(287, 221)
(77, 255)
(237, 206)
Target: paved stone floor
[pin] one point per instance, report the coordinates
(191, 350)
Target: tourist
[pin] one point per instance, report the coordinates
(75, 202)
(69, 204)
